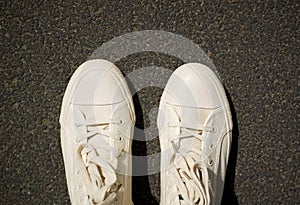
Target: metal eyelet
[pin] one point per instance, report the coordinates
(121, 138)
(210, 162)
(121, 122)
(214, 130)
(211, 146)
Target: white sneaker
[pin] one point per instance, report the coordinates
(97, 120)
(194, 123)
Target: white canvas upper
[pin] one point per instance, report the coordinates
(195, 126)
(97, 121)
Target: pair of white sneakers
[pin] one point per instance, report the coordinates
(97, 122)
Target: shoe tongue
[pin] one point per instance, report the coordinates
(97, 113)
(101, 113)
(193, 117)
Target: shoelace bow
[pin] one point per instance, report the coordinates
(191, 176)
(99, 193)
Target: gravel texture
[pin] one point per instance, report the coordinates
(253, 44)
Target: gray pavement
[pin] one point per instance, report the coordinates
(254, 46)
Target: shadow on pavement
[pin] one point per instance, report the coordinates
(141, 192)
(229, 196)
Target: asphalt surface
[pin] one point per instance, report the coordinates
(253, 44)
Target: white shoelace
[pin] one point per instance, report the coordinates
(98, 192)
(190, 173)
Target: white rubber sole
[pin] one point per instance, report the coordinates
(216, 82)
(218, 86)
(81, 71)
